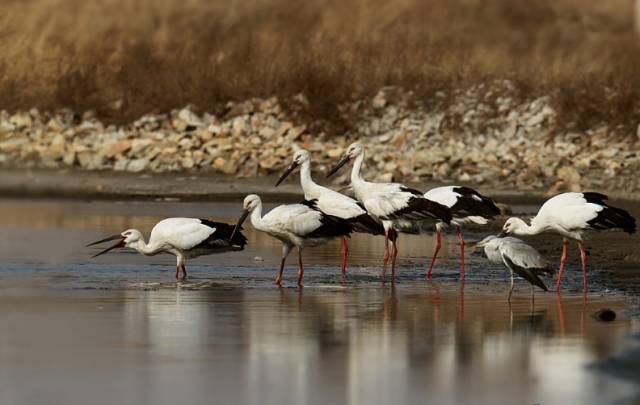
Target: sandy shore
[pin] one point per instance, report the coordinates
(109, 185)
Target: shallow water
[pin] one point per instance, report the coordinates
(118, 329)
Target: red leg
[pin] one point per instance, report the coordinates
(563, 259)
(177, 272)
(435, 252)
(345, 250)
(279, 275)
(301, 268)
(461, 239)
(394, 247)
(385, 259)
(583, 258)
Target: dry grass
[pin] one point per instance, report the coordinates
(158, 54)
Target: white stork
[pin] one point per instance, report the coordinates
(184, 238)
(332, 202)
(298, 225)
(519, 258)
(399, 207)
(570, 215)
(467, 206)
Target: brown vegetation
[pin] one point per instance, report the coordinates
(159, 54)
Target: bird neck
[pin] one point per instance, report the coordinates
(356, 177)
(256, 217)
(309, 187)
(142, 247)
(526, 229)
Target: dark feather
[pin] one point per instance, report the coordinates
(331, 227)
(610, 217)
(411, 190)
(531, 274)
(472, 203)
(421, 208)
(221, 237)
(365, 223)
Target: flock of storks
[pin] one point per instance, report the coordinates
(388, 209)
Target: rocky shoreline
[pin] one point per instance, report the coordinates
(484, 136)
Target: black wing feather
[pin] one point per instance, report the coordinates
(472, 203)
(531, 275)
(610, 217)
(421, 208)
(221, 237)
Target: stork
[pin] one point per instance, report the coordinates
(298, 225)
(332, 202)
(570, 215)
(519, 257)
(467, 207)
(185, 238)
(400, 208)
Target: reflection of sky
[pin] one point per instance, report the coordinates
(419, 343)
(268, 346)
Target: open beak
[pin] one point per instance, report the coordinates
(244, 216)
(343, 161)
(287, 172)
(120, 244)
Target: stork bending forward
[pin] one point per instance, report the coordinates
(570, 215)
(184, 238)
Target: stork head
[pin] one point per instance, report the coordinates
(250, 203)
(354, 150)
(131, 237)
(300, 157)
(514, 226)
(128, 238)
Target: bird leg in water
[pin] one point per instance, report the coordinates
(583, 258)
(385, 259)
(511, 287)
(394, 252)
(345, 250)
(563, 259)
(279, 274)
(301, 267)
(435, 251)
(461, 239)
(184, 272)
(177, 271)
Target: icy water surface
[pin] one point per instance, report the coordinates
(118, 329)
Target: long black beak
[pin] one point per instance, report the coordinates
(120, 244)
(287, 172)
(244, 216)
(343, 161)
(114, 237)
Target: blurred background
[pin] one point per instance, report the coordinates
(154, 55)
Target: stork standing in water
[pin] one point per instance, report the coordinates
(184, 238)
(467, 207)
(400, 208)
(298, 225)
(331, 202)
(570, 215)
(519, 258)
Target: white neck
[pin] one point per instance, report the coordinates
(356, 177)
(141, 246)
(525, 229)
(309, 187)
(256, 216)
